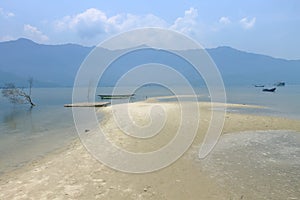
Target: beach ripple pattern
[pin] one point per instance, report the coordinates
(148, 69)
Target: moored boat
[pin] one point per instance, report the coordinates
(269, 89)
(259, 85)
(115, 96)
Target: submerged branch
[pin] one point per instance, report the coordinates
(16, 95)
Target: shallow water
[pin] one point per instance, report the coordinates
(26, 134)
(285, 102)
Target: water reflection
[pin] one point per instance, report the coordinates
(17, 116)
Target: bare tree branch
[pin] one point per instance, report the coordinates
(17, 95)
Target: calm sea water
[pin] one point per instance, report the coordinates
(285, 102)
(27, 133)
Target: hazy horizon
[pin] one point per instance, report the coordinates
(93, 46)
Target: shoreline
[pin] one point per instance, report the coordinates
(73, 173)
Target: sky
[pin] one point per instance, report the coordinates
(270, 27)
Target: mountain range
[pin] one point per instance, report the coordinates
(57, 65)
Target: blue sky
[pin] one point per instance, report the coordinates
(270, 27)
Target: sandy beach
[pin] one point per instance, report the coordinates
(72, 173)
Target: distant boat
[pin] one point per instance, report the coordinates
(269, 89)
(258, 85)
(280, 84)
(115, 96)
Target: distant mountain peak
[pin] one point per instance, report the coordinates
(227, 48)
(25, 41)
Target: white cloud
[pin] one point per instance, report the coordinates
(10, 14)
(6, 14)
(86, 24)
(247, 23)
(94, 22)
(34, 33)
(187, 23)
(224, 20)
(124, 22)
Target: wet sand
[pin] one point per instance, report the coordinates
(72, 173)
(257, 165)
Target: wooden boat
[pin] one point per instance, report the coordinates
(88, 104)
(115, 96)
(259, 85)
(269, 89)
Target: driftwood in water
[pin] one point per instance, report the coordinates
(88, 104)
